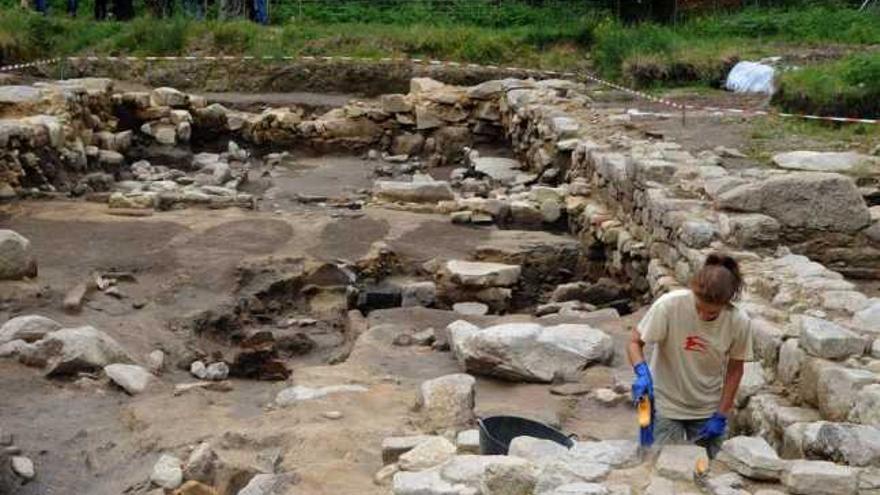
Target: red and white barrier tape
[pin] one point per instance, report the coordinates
(446, 63)
(7, 68)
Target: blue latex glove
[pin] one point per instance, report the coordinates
(643, 384)
(713, 427)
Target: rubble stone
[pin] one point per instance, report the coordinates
(167, 472)
(17, 261)
(838, 388)
(29, 328)
(677, 462)
(394, 447)
(132, 378)
(448, 401)
(71, 350)
(430, 453)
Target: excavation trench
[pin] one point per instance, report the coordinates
(347, 247)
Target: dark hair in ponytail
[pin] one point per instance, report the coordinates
(719, 281)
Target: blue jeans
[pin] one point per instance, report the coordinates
(672, 431)
(261, 11)
(72, 7)
(42, 6)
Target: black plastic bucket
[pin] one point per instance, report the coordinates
(496, 433)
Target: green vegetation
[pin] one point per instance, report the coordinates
(556, 44)
(773, 135)
(847, 87)
(558, 34)
(703, 49)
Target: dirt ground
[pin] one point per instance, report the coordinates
(88, 437)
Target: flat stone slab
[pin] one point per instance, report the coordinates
(413, 192)
(482, 274)
(471, 308)
(846, 162)
(19, 94)
(820, 478)
(503, 170)
(292, 395)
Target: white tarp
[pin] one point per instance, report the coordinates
(751, 77)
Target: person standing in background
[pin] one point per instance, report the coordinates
(72, 7)
(194, 9)
(123, 10)
(261, 11)
(42, 6)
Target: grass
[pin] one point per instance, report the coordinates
(768, 136)
(27, 36)
(846, 87)
(703, 49)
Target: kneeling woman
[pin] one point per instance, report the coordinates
(701, 341)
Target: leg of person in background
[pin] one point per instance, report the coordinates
(41, 6)
(122, 10)
(250, 9)
(72, 7)
(260, 13)
(100, 10)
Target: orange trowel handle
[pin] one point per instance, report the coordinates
(644, 411)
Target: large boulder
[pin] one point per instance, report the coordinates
(847, 443)
(29, 328)
(16, 259)
(531, 352)
(752, 457)
(71, 350)
(826, 339)
(802, 200)
(448, 402)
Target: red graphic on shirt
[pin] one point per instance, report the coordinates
(695, 343)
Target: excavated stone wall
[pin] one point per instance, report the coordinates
(338, 74)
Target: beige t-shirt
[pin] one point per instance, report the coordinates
(690, 355)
